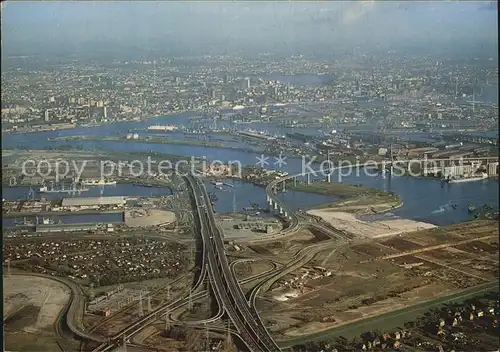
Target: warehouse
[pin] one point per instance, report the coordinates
(45, 228)
(93, 201)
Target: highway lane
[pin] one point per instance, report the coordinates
(250, 314)
(220, 312)
(251, 329)
(241, 320)
(218, 284)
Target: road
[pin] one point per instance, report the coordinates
(74, 309)
(224, 284)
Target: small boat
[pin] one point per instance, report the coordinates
(472, 208)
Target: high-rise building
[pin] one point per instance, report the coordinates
(212, 93)
(46, 115)
(246, 83)
(105, 112)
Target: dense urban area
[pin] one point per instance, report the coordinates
(343, 203)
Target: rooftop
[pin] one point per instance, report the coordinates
(86, 201)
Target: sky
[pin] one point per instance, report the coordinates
(259, 26)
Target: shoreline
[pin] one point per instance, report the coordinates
(160, 141)
(357, 201)
(352, 197)
(370, 229)
(97, 124)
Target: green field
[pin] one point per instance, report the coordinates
(351, 195)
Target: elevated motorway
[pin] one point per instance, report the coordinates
(276, 203)
(225, 285)
(289, 214)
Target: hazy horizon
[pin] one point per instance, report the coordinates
(225, 27)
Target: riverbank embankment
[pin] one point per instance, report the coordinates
(355, 201)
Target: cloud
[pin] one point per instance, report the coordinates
(355, 11)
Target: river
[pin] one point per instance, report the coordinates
(424, 199)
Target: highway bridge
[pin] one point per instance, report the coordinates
(276, 204)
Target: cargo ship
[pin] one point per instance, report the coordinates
(162, 128)
(97, 182)
(73, 189)
(454, 179)
(34, 222)
(25, 222)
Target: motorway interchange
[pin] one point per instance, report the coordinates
(214, 266)
(215, 277)
(245, 323)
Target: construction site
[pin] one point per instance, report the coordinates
(346, 283)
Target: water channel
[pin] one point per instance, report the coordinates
(424, 199)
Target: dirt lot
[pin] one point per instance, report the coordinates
(286, 247)
(153, 217)
(455, 233)
(155, 337)
(31, 306)
(247, 269)
(372, 250)
(400, 244)
(32, 303)
(371, 229)
(359, 288)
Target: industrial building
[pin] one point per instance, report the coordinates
(93, 201)
(115, 300)
(255, 226)
(44, 228)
